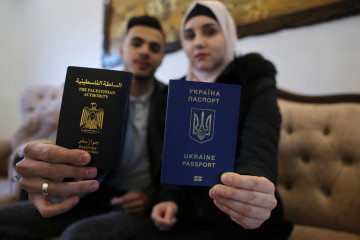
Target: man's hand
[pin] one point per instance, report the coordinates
(45, 161)
(164, 215)
(133, 202)
(248, 200)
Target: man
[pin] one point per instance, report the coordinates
(116, 204)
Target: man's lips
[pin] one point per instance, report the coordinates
(142, 64)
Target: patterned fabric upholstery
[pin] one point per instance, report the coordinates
(40, 107)
(319, 165)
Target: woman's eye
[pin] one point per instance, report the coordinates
(210, 32)
(189, 36)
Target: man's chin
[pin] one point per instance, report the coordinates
(142, 78)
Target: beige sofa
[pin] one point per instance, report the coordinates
(319, 165)
(5, 151)
(40, 107)
(319, 161)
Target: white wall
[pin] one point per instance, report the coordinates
(57, 34)
(40, 38)
(9, 77)
(317, 59)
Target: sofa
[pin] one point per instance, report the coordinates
(319, 159)
(319, 165)
(5, 151)
(40, 108)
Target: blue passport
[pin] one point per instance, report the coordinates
(200, 132)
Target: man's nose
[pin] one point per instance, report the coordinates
(144, 50)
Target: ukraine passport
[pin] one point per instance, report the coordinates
(93, 113)
(200, 132)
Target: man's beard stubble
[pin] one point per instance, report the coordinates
(142, 78)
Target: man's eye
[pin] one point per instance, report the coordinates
(136, 43)
(155, 48)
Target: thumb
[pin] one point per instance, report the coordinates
(158, 213)
(170, 215)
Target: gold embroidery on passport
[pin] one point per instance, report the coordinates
(92, 119)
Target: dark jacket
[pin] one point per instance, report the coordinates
(155, 136)
(257, 144)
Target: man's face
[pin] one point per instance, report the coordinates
(142, 51)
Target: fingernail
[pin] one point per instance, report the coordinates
(90, 172)
(75, 200)
(93, 187)
(217, 190)
(226, 178)
(211, 192)
(84, 158)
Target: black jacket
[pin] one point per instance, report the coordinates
(155, 136)
(257, 144)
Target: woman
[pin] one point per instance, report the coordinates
(247, 197)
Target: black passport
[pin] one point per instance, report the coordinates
(93, 113)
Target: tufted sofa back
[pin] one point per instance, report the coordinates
(40, 107)
(319, 160)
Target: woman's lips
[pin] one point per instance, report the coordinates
(201, 56)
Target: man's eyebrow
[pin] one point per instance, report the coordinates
(143, 40)
(155, 43)
(137, 39)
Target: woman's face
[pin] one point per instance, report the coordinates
(204, 43)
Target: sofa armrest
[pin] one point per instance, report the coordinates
(5, 151)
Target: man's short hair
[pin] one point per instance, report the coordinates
(145, 20)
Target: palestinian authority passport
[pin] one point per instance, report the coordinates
(200, 132)
(93, 113)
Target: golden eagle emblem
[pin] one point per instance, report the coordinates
(92, 119)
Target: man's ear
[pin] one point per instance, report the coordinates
(121, 50)
(162, 58)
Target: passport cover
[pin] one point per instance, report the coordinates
(93, 113)
(200, 132)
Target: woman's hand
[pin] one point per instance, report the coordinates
(248, 200)
(164, 215)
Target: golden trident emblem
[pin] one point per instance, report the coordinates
(92, 119)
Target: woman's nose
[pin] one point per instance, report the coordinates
(199, 41)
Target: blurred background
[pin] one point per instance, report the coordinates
(40, 39)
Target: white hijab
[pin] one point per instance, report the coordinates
(228, 27)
